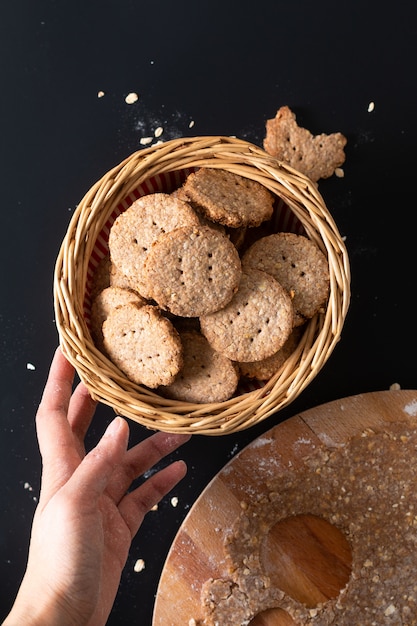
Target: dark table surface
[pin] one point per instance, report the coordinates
(228, 67)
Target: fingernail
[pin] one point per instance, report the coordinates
(114, 426)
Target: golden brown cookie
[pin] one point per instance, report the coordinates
(257, 321)
(298, 264)
(228, 198)
(143, 344)
(192, 271)
(206, 376)
(316, 156)
(135, 230)
(107, 300)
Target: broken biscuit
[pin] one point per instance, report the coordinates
(316, 156)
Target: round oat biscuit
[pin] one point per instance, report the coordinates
(229, 198)
(298, 264)
(206, 376)
(192, 271)
(143, 344)
(265, 368)
(135, 230)
(257, 321)
(107, 300)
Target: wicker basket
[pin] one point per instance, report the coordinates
(163, 167)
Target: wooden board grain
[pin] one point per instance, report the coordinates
(197, 552)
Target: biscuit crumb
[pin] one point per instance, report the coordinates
(144, 141)
(339, 171)
(191, 124)
(139, 566)
(100, 94)
(174, 501)
(390, 610)
(158, 131)
(131, 98)
(395, 387)
(371, 107)
(30, 366)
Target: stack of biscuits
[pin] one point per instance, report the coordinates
(198, 291)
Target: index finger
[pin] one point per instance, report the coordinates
(58, 387)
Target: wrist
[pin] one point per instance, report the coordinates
(36, 611)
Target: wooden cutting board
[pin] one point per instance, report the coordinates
(197, 552)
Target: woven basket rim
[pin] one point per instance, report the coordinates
(103, 380)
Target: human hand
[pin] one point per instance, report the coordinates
(85, 520)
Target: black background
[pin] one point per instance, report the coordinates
(227, 66)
